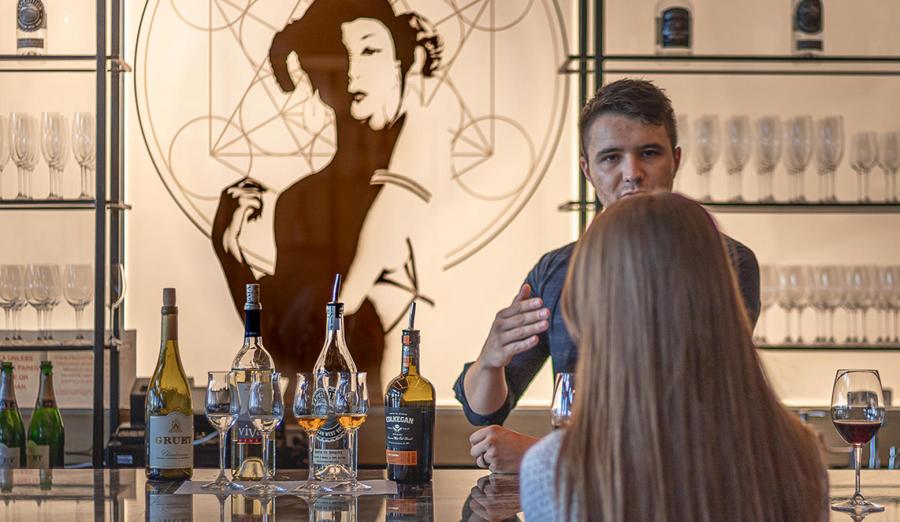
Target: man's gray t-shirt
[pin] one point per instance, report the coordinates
(546, 280)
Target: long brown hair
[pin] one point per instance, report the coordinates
(674, 419)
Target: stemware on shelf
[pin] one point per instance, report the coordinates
(768, 152)
(737, 153)
(83, 149)
(799, 145)
(829, 152)
(4, 149)
(37, 293)
(889, 160)
(78, 290)
(53, 146)
(827, 294)
(23, 144)
(683, 132)
(860, 295)
(707, 137)
(12, 292)
(863, 156)
(768, 295)
(885, 291)
(793, 284)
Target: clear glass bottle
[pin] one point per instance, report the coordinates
(674, 27)
(246, 441)
(806, 27)
(31, 27)
(331, 452)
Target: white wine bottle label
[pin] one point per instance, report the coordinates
(170, 508)
(38, 456)
(244, 429)
(404, 437)
(9, 457)
(170, 441)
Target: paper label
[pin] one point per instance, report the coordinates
(170, 441)
(38, 456)
(9, 457)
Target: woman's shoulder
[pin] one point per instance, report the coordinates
(538, 478)
(544, 453)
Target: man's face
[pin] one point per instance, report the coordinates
(625, 157)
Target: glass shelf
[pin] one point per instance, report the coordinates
(57, 204)
(773, 208)
(715, 64)
(61, 63)
(888, 348)
(61, 347)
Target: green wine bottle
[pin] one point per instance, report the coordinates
(169, 413)
(12, 429)
(46, 435)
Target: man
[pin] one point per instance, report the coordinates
(628, 138)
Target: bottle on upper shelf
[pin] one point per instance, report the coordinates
(46, 433)
(31, 28)
(806, 24)
(674, 27)
(12, 429)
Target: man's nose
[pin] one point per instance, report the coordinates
(632, 171)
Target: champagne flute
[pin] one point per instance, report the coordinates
(12, 290)
(311, 412)
(351, 405)
(51, 148)
(799, 138)
(829, 152)
(792, 283)
(857, 411)
(863, 156)
(37, 294)
(54, 291)
(83, 149)
(78, 290)
(22, 145)
(768, 152)
(563, 400)
(684, 140)
(889, 161)
(222, 408)
(265, 406)
(4, 148)
(768, 293)
(707, 137)
(737, 152)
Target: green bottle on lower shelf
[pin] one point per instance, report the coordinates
(46, 434)
(12, 429)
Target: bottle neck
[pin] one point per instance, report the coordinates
(334, 326)
(410, 359)
(7, 390)
(252, 320)
(46, 398)
(168, 347)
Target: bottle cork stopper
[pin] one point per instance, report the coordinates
(168, 297)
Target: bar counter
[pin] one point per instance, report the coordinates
(467, 495)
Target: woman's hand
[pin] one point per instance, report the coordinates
(239, 204)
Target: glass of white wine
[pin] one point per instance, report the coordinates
(265, 406)
(351, 405)
(311, 415)
(563, 400)
(222, 408)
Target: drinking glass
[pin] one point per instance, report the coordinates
(889, 161)
(885, 289)
(222, 408)
(768, 295)
(768, 152)
(22, 135)
(311, 415)
(829, 283)
(265, 405)
(79, 290)
(116, 294)
(684, 139)
(857, 411)
(54, 290)
(737, 152)
(52, 145)
(37, 294)
(829, 152)
(563, 400)
(861, 286)
(12, 291)
(4, 149)
(799, 139)
(707, 138)
(792, 285)
(83, 149)
(895, 304)
(863, 156)
(351, 405)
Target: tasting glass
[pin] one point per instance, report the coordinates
(222, 408)
(737, 153)
(311, 412)
(563, 400)
(828, 294)
(792, 294)
(889, 160)
(22, 146)
(799, 145)
(768, 152)
(83, 149)
(707, 138)
(829, 152)
(863, 156)
(351, 406)
(78, 290)
(12, 292)
(265, 406)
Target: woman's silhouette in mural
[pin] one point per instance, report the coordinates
(357, 54)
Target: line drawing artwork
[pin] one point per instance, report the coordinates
(387, 140)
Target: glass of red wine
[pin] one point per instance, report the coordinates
(857, 411)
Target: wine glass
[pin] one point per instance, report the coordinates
(78, 290)
(895, 304)
(351, 405)
(54, 291)
(860, 288)
(885, 290)
(22, 149)
(799, 138)
(222, 408)
(83, 149)
(737, 152)
(116, 294)
(889, 161)
(792, 284)
(768, 152)
(12, 291)
(37, 293)
(829, 152)
(4, 148)
(863, 156)
(52, 147)
(265, 406)
(857, 411)
(768, 293)
(684, 140)
(830, 287)
(311, 412)
(707, 138)
(563, 400)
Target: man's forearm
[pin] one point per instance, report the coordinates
(485, 388)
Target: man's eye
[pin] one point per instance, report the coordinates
(649, 153)
(368, 51)
(609, 159)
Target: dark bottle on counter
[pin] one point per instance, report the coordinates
(12, 429)
(807, 22)
(409, 416)
(46, 434)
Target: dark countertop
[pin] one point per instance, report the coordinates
(468, 495)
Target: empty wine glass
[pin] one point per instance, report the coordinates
(768, 152)
(4, 149)
(351, 406)
(684, 140)
(12, 291)
(885, 290)
(863, 156)
(54, 289)
(828, 293)
(563, 400)
(895, 304)
(792, 283)
(311, 415)
(265, 406)
(83, 148)
(52, 146)
(799, 139)
(829, 152)
(22, 134)
(859, 297)
(889, 160)
(707, 138)
(116, 294)
(857, 411)
(768, 295)
(37, 293)
(737, 152)
(222, 408)
(79, 290)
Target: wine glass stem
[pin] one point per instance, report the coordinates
(857, 449)
(221, 457)
(6, 313)
(78, 316)
(862, 325)
(311, 438)
(267, 475)
(353, 456)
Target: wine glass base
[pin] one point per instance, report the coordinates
(224, 485)
(265, 489)
(308, 488)
(347, 487)
(857, 506)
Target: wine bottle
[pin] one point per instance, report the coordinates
(246, 440)
(163, 505)
(331, 452)
(674, 27)
(31, 27)
(807, 18)
(46, 434)
(169, 413)
(409, 415)
(12, 429)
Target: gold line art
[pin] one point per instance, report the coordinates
(382, 177)
(276, 126)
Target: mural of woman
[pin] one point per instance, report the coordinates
(357, 54)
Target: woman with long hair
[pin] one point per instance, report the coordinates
(673, 419)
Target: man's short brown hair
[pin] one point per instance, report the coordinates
(638, 99)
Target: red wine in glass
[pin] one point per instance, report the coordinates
(857, 431)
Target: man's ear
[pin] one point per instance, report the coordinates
(676, 154)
